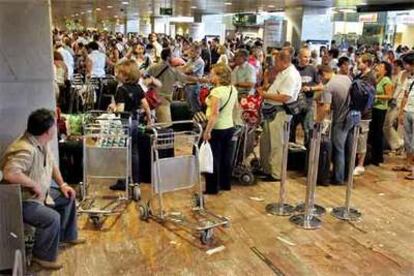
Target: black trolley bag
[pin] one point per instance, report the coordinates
(324, 165)
(145, 138)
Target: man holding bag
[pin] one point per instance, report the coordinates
(284, 91)
(220, 129)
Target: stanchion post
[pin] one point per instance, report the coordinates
(308, 220)
(346, 212)
(281, 208)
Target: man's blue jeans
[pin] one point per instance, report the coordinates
(342, 145)
(192, 95)
(53, 224)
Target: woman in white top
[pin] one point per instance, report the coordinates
(223, 56)
(96, 62)
(61, 73)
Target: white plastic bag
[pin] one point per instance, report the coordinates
(206, 158)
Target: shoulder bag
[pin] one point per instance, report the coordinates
(201, 118)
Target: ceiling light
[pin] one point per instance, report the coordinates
(228, 3)
(193, 7)
(125, 3)
(98, 9)
(270, 6)
(109, 7)
(89, 11)
(115, 16)
(347, 10)
(82, 12)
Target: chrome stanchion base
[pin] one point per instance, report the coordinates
(279, 209)
(308, 223)
(317, 209)
(343, 213)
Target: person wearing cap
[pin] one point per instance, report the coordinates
(29, 162)
(406, 116)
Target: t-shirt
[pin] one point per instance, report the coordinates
(287, 82)
(310, 77)
(225, 118)
(337, 89)
(130, 95)
(409, 107)
(382, 104)
(244, 73)
(98, 60)
(196, 66)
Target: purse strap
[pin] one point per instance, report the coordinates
(162, 71)
(231, 92)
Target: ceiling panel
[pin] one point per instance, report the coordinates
(98, 10)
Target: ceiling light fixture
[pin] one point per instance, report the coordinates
(89, 11)
(193, 7)
(109, 7)
(98, 9)
(347, 10)
(228, 3)
(125, 3)
(270, 6)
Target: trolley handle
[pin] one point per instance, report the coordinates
(154, 128)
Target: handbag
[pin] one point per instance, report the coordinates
(152, 97)
(200, 116)
(292, 108)
(269, 111)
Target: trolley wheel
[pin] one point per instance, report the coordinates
(206, 236)
(197, 200)
(144, 212)
(247, 179)
(136, 193)
(255, 164)
(96, 220)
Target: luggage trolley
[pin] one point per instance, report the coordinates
(168, 180)
(106, 155)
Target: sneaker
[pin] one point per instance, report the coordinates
(74, 242)
(47, 265)
(359, 171)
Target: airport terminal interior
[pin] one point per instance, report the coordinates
(206, 137)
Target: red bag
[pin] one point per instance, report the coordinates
(61, 125)
(251, 106)
(152, 98)
(204, 92)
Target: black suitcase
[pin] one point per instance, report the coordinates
(296, 159)
(180, 111)
(144, 152)
(71, 161)
(324, 165)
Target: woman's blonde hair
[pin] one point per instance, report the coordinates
(223, 72)
(127, 71)
(221, 50)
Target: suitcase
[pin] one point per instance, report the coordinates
(296, 159)
(71, 161)
(180, 111)
(324, 165)
(144, 152)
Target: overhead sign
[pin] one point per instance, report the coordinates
(274, 33)
(368, 17)
(166, 11)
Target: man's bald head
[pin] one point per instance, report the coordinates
(304, 57)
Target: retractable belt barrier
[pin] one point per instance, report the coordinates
(346, 212)
(281, 208)
(309, 220)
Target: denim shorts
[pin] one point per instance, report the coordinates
(409, 132)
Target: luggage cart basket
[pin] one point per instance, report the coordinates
(179, 173)
(106, 155)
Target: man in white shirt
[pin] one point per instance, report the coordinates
(67, 58)
(285, 89)
(244, 74)
(154, 42)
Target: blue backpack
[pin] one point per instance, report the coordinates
(362, 95)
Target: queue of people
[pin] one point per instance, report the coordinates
(303, 86)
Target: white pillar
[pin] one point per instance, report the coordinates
(26, 74)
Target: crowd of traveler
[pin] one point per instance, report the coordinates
(302, 86)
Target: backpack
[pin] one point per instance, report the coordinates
(362, 95)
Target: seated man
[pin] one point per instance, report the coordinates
(29, 162)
